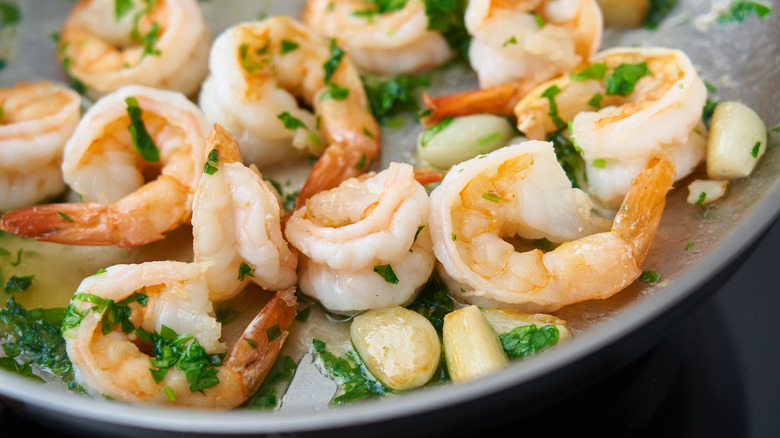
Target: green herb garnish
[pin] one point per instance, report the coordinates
(739, 10)
(212, 160)
(142, 141)
(334, 59)
(64, 216)
(550, 94)
(657, 10)
(434, 302)
(386, 271)
(625, 76)
(122, 7)
(649, 276)
(595, 101)
(290, 122)
(431, 132)
(756, 148)
(335, 92)
(390, 97)
(594, 71)
(701, 198)
(492, 197)
(288, 46)
(244, 271)
(18, 284)
(114, 314)
(357, 381)
(599, 163)
(10, 15)
(527, 340)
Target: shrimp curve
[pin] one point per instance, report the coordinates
(366, 243)
(516, 45)
(36, 120)
(471, 214)
(167, 303)
(396, 41)
(258, 70)
(236, 225)
(102, 163)
(617, 137)
(161, 44)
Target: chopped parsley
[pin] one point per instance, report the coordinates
(701, 198)
(739, 10)
(447, 18)
(288, 46)
(334, 59)
(290, 122)
(244, 271)
(122, 8)
(392, 96)
(149, 40)
(491, 196)
(488, 138)
(511, 40)
(649, 276)
(550, 94)
(335, 92)
(185, 354)
(265, 397)
(434, 302)
(18, 284)
(625, 76)
(709, 104)
(10, 15)
(431, 132)
(595, 101)
(303, 314)
(211, 162)
(756, 148)
(142, 141)
(381, 7)
(657, 10)
(594, 71)
(689, 245)
(567, 155)
(357, 381)
(599, 163)
(527, 340)
(246, 60)
(114, 314)
(35, 336)
(273, 332)
(539, 21)
(64, 217)
(386, 271)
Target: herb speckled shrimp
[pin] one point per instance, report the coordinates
(512, 192)
(393, 41)
(365, 244)
(157, 43)
(258, 70)
(131, 197)
(36, 120)
(517, 44)
(236, 224)
(662, 110)
(167, 303)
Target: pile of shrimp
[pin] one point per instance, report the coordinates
(181, 127)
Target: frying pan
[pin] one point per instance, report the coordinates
(742, 60)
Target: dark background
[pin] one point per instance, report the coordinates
(717, 374)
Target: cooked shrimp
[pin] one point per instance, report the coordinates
(663, 112)
(258, 70)
(483, 201)
(395, 41)
(518, 44)
(129, 199)
(236, 225)
(160, 297)
(366, 243)
(160, 43)
(36, 119)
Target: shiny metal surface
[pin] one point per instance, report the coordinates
(741, 60)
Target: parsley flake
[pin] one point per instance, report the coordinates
(64, 216)
(649, 276)
(550, 94)
(594, 71)
(756, 148)
(431, 132)
(142, 141)
(288, 46)
(244, 271)
(739, 10)
(386, 271)
(625, 76)
(528, 340)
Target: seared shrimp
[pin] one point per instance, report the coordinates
(168, 310)
(516, 45)
(160, 43)
(477, 205)
(394, 41)
(366, 243)
(236, 225)
(36, 119)
(662, 112)
(135, 159)
(258, 70)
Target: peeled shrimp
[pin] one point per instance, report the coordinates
(352, 237)
(36, 119)
(258, 70)
(161, 43)
(391, 42)
(518, 44)
(128, 200)
(663, 112)
(236, 224)
(511, 192)
(112, 363)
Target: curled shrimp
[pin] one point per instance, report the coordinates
(160, 43)
(518, 44)
(618, 136)
(396, 41)
(365, 244)
(236, 225)
(484, 201)
(36, 119)
(167, 302)
(129, 199)
(258, 70)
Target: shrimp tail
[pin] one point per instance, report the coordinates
(256, 350)
(428, 175)
(72, 224)
(499, 100)
(639, 215)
